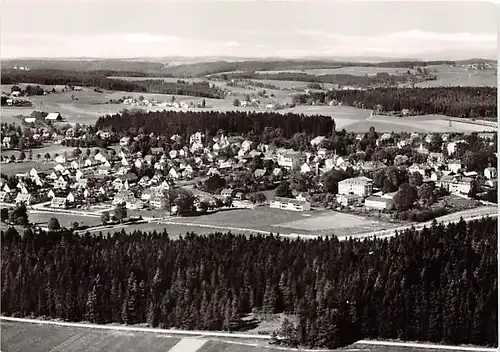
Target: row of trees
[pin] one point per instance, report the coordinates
(187, 123)
(382, 79)
(104, 80)
(468, 102)
(436, 285)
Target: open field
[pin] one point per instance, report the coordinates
(425, 124)
(65, 220)
(354, 70)
(91, 105)
(8, 113)
(32, 337)
(27, 337)
(48, 148)
(460, 76)
(15, 168)
(358, 71)
(287, 222)
(339, 223)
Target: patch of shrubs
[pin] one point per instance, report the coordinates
(421, 215)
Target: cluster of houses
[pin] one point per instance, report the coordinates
(140, 102)
(108, 176)
(51, 116)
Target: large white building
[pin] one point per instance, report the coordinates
(290, 160)
(290, 204)
(361, 186)
(380, 203)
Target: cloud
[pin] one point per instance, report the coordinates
(415, 34)
(148, 38)
(313, 33)
(409, 35)
(307, 42)
(231, 43)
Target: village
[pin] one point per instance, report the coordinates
(231, 172)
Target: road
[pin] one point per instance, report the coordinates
(211, 334)
(467, 215)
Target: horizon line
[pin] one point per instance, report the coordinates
(308, 57)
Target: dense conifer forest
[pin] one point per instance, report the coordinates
(435, 285)
(468, 102)
(209, 122)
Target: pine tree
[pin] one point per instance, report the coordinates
(130, 302)
(92, 311)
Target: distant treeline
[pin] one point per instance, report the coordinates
(86, 65)
(100, 79)
(209, 68)
(381, 79)
(210, 122)
(437, 285)
(465, 102)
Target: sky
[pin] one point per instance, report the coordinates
(162, 28)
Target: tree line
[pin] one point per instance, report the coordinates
(382, 79)
(466, 102)
(210, 122)
(210, 68)
(102, 79)
(436, 285)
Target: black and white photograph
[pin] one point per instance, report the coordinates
(249, 176)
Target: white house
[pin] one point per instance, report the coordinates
(138, 163)
(53, 116)
(305, 168)
(173, 154)
(317, 140)
(60, 159)
(124, 141)
(348, 200)
(452, 146)
(123, 197)
(490, 173)
(246, 145)
(454, 166)
(59, 168)
(6, 142)
(173, 173)
(59, 202)
(134, 204)
(70, 198)
(362, 186)
(23, 198)
(157, 202)
(420, 168)
(290, 160)
(74, 165)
